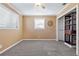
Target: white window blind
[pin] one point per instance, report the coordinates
(8, 19)
(39, 23)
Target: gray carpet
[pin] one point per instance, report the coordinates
(40, 48)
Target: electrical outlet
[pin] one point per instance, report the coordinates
(0, 46)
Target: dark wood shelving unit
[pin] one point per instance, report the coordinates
(70, 28)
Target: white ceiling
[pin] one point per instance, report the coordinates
(29, 8)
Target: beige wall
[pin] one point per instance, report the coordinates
(30, 33)
(10, 36)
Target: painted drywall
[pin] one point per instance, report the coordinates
(10, 36)
(61, 28)
(30, 33)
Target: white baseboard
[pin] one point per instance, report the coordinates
(39, 39)
(10, 47)
(69, 45)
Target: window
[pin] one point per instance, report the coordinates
(8, 19)
(39, 23)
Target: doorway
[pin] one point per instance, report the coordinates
(67, 29)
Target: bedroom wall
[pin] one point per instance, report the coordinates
(30, 33)
(10, 36)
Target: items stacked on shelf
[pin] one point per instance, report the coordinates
(70, 28)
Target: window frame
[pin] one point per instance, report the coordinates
(10, 14)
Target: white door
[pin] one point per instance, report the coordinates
(61, 29)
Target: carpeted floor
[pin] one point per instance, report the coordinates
(40, 48)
